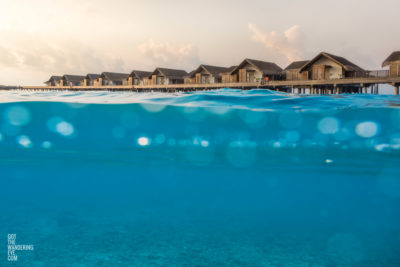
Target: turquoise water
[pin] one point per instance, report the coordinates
(219, 178)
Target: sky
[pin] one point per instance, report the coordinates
(41, 38)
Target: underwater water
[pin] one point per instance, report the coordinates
(217, 178)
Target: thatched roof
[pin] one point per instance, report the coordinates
(395, 56)
(73, 78)
(55, 79)
(92, 77)
(112, 76)
(296, 65)
(170, 73)
(212, 70)
(267, 68)
(140, 74)
(345, 63)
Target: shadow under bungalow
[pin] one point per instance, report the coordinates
(324, 69)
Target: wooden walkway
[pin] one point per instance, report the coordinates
(334, 86)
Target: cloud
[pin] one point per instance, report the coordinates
(184, 56)
(30, 53)
(289, 43)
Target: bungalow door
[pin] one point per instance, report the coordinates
(242, 75)
(198, 78)
(319, 72)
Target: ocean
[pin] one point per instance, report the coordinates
(213, 178)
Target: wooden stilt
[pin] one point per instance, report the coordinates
(396, 89)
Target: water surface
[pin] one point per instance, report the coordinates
(217, 178)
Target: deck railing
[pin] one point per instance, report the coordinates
(377, 74)
(356, 75)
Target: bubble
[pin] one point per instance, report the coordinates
(24, 141)
(65, 128)
(329, 161)
(17, 115)
(328, 125)
(290, 120)
(60, 126)
(381, 147)
(254, 119)
(277, 144)
(205, 143)
(47, 145)
(292, 136)
(241, 153)
(143, 141)
(160, 139)
(367, 129)
(154, 108)
(119, 132)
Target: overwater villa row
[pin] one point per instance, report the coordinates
(325, 73)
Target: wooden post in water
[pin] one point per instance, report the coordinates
(364, 89)
(396, 89)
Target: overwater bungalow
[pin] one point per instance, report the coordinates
(112, 78)
(54, 81)
(393, 61)
(90, 79)
(326, 66)
(138, 77)
(206, 74)
(292, 72)
(71, 80)
(251, 71)
(161, 76)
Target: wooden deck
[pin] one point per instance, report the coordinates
(315, 86)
